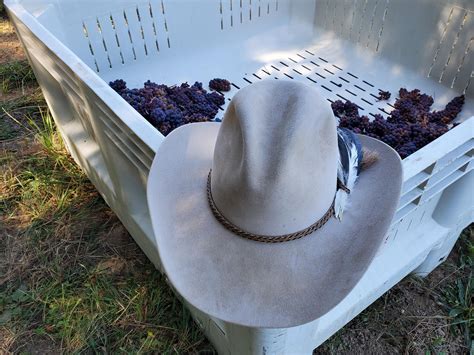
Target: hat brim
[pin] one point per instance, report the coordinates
(258, 284)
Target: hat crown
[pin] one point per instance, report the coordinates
(275, 160)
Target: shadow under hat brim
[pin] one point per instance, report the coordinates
(259, 284)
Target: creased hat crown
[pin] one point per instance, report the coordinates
(275, 160)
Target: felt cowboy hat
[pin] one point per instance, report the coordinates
(243, 211)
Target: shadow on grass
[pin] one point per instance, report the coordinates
(71, 278)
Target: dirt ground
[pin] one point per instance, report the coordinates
(411, 318)
(418, 316)
(10, 47)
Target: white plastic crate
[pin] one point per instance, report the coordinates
(348, 48)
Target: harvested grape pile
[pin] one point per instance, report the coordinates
(410, 126)
(168, 107)
(219, 84)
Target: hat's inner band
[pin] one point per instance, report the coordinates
(264, 238)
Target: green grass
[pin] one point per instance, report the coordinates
(16, 112)
(458, 296)
(15, 75)
(62, 278)
(432, 315)
(20, 96)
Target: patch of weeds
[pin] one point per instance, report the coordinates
(17, 112)
(458, 296)
(433, 315)
(66, 285)
(93, 310)
(7, 130)
(15, 75)
(26, 103)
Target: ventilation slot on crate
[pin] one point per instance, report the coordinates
(335, 83)
(453, 60)
(418, 179)
(126, 35)
(361, 22)
(239, 12)
(126, 140)
(464, 149)
(447, 176)
(406, 210)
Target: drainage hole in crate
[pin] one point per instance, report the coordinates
(354, 76)
(255, 75)
(350, 92)
(422, 186)
(330, 72)
(296, 71)
(247, 80)
(335, 66)
(324, 60)
(368, 102)
(344, 79)
(294, 61)
(314, 81)
(282, 63)
(314, 63)
(299, 55)
(289, 76)
(342, 97)
(304, 66)
(326, 88)
(336, 84)
(321, 76)
(274, 67)
(235, 86)
(90, 48)
(309, 52)
(464, 168)
(366, 82)
(358, 87)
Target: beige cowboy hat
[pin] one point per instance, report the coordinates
(244, 211)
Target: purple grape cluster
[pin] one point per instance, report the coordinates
(384, 95)
(219, 85)
(409, 127)
(168, 107)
